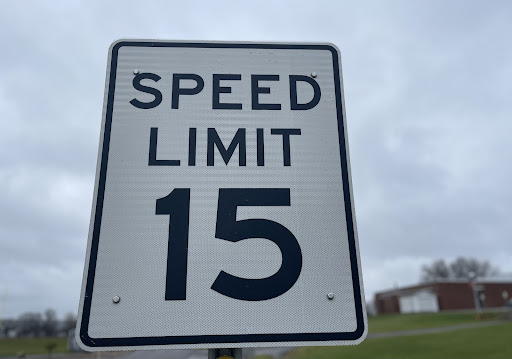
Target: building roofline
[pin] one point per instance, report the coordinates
(420, 286)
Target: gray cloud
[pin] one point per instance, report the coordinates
(427, 90)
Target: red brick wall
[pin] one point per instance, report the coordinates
(454, 296)
(493, 293)
(386, 304)
(451, 296)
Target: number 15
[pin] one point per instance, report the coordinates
(177, 205)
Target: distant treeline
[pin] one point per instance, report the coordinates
(36, 325)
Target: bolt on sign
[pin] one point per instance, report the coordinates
(223, 214)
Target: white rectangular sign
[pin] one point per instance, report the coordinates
(223, 213)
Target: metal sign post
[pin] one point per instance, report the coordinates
(474, 291)
(223, 195)
(225, 353)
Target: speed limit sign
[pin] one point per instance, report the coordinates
(222, 212)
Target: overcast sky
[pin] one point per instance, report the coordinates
(427, 86)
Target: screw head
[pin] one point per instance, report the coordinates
(136, 72)
(330, 296)
(313, 74)
(116, 299)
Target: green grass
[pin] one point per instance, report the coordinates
(494, 342)
(398, 322)
(31, 345)
(494, 339)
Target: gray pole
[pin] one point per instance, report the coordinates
(225, 353)
(472, 278)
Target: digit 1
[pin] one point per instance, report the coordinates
(177, 205)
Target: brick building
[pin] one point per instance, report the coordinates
(445, 295)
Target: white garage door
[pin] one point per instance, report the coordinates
(422, 301)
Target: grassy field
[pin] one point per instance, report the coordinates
(489, 342)
(494, 342)
(397, 322)
(31, 345)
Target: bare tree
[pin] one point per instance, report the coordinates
(50, 322)
(69, 321)
(464, 268)
(436, 271)
(30, 324)
(461, 268)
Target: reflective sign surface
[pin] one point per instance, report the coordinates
(222, 214)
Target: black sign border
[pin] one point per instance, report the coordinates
(218, 339)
